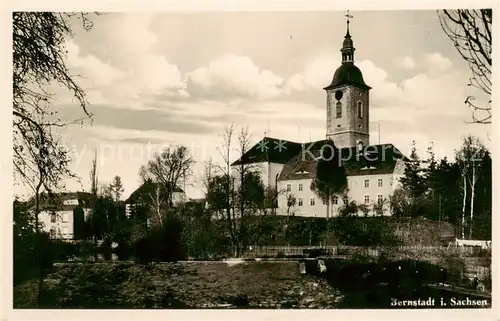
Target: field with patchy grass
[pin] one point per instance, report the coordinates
(179, 285)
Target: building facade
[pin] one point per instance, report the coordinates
(146, 195)
(373, 171)
(64, 217)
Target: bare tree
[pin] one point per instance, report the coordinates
(168, 168)
(48, 164)
(210, 171)
(39, 61)
(470, 159)
(157, 204)
(225, 151)
(94, 183)
(470, 31)
(243, 168)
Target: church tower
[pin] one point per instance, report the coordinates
(348, 101)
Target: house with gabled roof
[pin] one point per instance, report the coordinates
(63, 214)
(146, 194)
(373, 171)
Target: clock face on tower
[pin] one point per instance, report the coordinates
(339, 94)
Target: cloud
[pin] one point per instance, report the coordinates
(436, 62)
(407, 63)
(234, 76)
(97, 73)
(317, 73)
(120, 63)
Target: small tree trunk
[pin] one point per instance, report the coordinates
(473, 185)
(463, 204)
(37, 233)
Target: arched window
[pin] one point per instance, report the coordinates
(360, 109)
(339, 110)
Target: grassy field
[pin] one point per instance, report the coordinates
(179, 285)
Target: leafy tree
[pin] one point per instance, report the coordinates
(116, 188)
(413, 181)
(350, 208)
(380, 206)
(252, 191)
(330, 178)
(365, 209)
(216, 196)
(471, 34)
(399, 203)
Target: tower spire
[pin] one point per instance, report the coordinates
(348, 46)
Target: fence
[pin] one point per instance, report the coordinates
(399, 251)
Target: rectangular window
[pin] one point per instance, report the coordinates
(335, 200)
(288, 187)
(379, 182)
(65, 231)
(313, 201)
(65, 217)
(300, 187)
(367, 199)
(367, 183)
(301, 202)
(380, 198)
(338, 110)
(346, 199)
(53, 217)
(360, 109)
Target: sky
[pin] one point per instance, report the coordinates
(164, 79)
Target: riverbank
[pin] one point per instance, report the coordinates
(179, 285)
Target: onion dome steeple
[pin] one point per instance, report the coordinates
(347, 73)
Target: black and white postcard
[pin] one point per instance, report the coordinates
(252, 159)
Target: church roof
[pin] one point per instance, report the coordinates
(281, 151)
(375, 160)
(271, 150)
(348, 74)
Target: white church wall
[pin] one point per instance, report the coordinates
(378, 187)
(307, 203)
(269, 172)
(368, 189)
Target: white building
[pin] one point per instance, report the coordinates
(62, 219)
(373, 171)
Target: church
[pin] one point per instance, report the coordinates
(373, 171)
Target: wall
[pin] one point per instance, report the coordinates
(316, 210)
(348, 129)
(269, 172)
(356, 192)
(63, 224)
